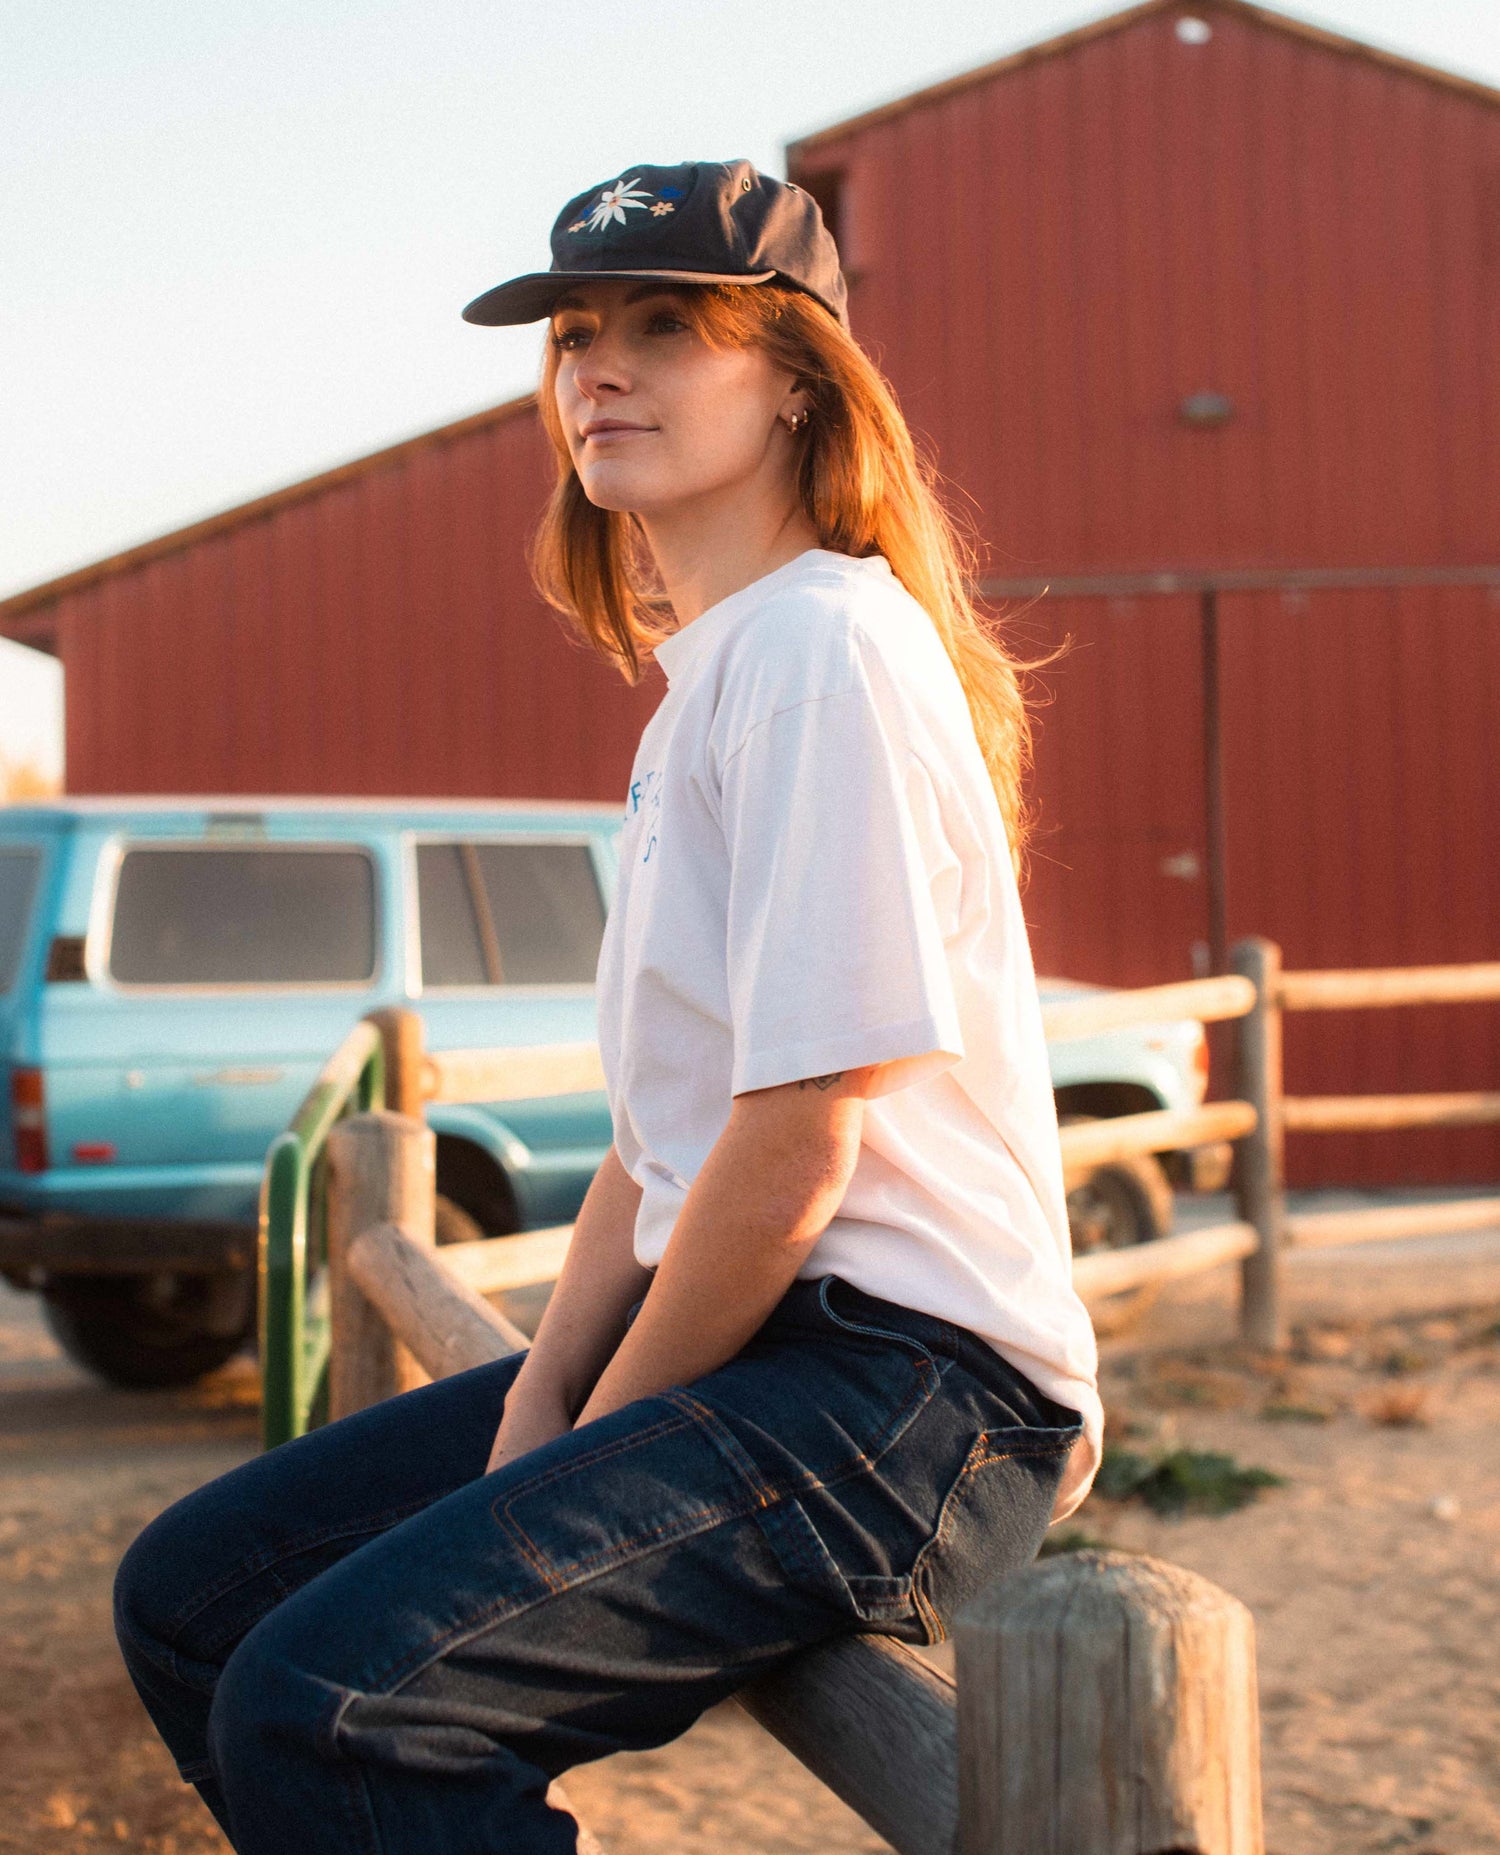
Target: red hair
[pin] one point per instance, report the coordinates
(865, 489)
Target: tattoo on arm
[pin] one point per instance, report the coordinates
(822, 1082)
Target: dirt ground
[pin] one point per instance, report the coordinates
(1373, 1573)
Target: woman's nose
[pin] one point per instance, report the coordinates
(601, 369)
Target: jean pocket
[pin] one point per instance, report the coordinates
(629, 1483)
(992, 1519)
(872, 1601)
(829, 1285)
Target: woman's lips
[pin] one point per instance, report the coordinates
(599, 434)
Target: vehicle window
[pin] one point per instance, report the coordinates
(257, 916)
(509, 914)
(19, 868)
(452, 953)
(547, 911)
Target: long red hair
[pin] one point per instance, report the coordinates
(865, 488)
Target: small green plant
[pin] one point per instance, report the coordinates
(1073, 1539)
(1181, 1481)
(1402, 1359)
(1281, 1410)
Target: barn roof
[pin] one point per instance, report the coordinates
(20, 605)
(799, 152)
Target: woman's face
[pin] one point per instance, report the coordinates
(656, 418)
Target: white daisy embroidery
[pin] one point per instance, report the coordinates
(614, 201)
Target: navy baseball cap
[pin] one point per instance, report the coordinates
(698, 222)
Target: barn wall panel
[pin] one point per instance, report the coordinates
(1362, 791)
(381, 636)
(1049, 263)
(1109, 897)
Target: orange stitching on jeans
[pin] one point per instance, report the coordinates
(500, 1508)
(728, 1444)
(600, 1453)
(1022, 1446)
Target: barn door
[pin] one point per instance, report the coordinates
(1117, 892)
(1362, 794)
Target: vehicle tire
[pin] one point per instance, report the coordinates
(1125, 1202)
(453, 1224)
(151, 1331)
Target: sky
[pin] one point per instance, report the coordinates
(237, 236)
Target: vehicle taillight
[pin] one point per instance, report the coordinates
(1200, 1064)
(29, 1118)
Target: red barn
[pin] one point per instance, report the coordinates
(1199, 309)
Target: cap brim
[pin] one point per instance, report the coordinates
(529, 299)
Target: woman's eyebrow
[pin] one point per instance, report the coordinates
(643, 290)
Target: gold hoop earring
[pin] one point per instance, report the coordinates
(798, 420)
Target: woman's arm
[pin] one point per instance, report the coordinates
(776, 1175)
(584, 1319)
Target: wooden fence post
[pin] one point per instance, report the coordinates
(401, 1041)
(1107, 1706)
(381, 1170)
(1259, 1166)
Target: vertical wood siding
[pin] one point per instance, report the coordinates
(1050, 262)
(379, 636)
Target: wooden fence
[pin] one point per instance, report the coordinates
(1259, 1169)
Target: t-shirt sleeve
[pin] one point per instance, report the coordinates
(835, 946)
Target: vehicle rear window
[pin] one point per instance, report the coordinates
(257, 916)
(19, 867)
(508, 914)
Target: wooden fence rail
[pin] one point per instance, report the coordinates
(1260, 1167)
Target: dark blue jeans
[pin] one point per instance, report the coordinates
(359, 1642)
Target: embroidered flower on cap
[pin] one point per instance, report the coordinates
(661, 207)
(612, 203)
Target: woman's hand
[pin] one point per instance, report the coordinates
(533, 1415)
(583, 1320)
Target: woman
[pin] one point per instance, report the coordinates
(814, 1363)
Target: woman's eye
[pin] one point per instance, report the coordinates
(666, 322)
(569, 339)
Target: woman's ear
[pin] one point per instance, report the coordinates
(797, 409)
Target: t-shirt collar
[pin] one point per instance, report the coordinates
(680, 650)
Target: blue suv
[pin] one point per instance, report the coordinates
(173, 974)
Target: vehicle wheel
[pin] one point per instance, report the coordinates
(150, 1331)
(453, 1224)
(1127, 1201)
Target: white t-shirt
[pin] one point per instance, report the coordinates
(815, 876)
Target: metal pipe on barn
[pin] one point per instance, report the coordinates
(1215, 847)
